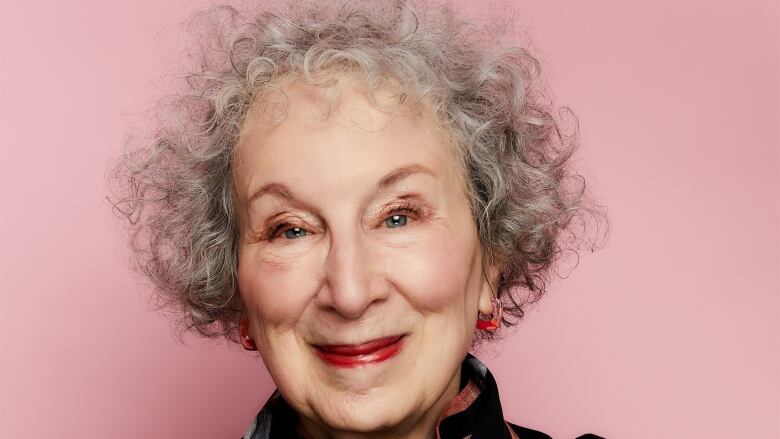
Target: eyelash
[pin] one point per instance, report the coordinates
(406, 207)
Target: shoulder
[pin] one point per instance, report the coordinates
(527, 433)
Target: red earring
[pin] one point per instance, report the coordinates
(246, 340)
(495, 317)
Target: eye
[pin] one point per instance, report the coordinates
(290, 233)
(400, 215)
(396, 221)
(297, 232)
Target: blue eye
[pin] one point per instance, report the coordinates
(396, 220)
(294, 233)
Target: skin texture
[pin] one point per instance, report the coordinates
(353, 272)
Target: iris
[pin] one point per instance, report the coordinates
(396, 220)
(297, 232)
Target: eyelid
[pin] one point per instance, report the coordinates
(271, 232)
(405, 206)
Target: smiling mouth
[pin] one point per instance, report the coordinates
(354, 355)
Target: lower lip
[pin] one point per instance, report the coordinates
(342, 358)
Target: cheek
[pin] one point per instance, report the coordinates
(436, 274)
(276, 290)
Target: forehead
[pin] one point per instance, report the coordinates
(297, 128)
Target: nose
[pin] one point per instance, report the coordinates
(353, 280)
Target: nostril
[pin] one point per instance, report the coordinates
(345, 304)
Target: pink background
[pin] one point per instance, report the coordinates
(671, 331)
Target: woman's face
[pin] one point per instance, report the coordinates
(359, 262)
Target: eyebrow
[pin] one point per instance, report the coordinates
(393, 177)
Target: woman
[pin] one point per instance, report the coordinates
(361, 193)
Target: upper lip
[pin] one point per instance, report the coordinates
(360, 348)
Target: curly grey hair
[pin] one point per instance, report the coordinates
(176, 188)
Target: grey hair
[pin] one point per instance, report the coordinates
(174, 184)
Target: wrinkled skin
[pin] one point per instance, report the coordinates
(354, 260)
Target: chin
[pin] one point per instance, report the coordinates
(365, 413)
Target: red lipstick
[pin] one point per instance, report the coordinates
(354, 355)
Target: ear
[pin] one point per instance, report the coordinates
(490, 275)
(243, 326)
(246, 339)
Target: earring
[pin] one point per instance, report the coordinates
(495, 317)
(246, 340)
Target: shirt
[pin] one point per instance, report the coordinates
(475, 413)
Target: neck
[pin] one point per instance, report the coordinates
(418, 425)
